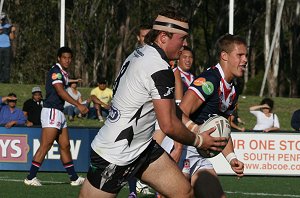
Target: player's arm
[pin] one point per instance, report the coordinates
(65, 96)
(236, 165)
(189, 104)
(178, 86)
(170, 124)
(174, 128)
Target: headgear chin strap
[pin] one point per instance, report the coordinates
(170, 25)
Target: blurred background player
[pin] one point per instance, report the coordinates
(185, 78)
(32, 107)
(54, 124)
(141, 33)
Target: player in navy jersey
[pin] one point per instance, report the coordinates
(142, 93)
(54, 126)
(213, 92)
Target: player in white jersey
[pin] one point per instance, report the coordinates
(143, 92)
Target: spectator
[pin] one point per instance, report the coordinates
(10, 115)
(7, 33)
(235, 120)
(266, 121)
(69, 108)
(32, 107)
(295, 122)
(101, 97)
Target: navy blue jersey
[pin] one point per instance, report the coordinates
(218, 96)
(55, 75)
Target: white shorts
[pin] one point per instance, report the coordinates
(191, 161)
(53, 118)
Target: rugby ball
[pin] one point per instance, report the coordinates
(223, 129)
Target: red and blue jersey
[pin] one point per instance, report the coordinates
(218, 96)
(55, 75)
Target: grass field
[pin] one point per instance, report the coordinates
(56, 185)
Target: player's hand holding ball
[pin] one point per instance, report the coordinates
(214, 135)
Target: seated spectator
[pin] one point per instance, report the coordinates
(10, 115)
(295, 121)
(32, 107)
(235, 121)
(70, 109)
(266, 121)
(101, 97)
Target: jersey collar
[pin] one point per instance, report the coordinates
(218, 66)
(184, 72)
(62, 70)
(161, 52)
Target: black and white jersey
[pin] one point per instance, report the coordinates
(144, 76)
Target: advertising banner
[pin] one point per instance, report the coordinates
(18, 145)
(264, 154)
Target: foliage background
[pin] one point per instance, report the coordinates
(102, 33)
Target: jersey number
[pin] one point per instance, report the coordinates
(122, 72)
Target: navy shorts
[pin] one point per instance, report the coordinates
(111, 178)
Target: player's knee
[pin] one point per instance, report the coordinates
(65, 147)
(45, 147)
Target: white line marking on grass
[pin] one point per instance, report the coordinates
(19, 180)
(262, 194)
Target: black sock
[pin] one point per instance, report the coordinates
(71, 171)
(35, 166)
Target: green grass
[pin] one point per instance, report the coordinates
(56, 185)
(283, 107)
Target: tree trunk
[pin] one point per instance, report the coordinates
(124, 33)
(267, 31)
(294, 57)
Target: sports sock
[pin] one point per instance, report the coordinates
(132, 184)
(35, 166)
(71, 171)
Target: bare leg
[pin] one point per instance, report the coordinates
(64, 146)
(89, 191)
(47, 138)
(165, 177)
